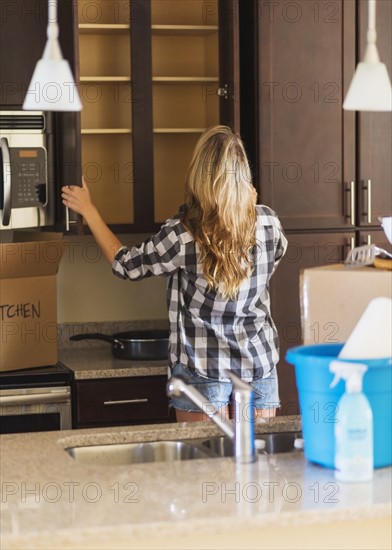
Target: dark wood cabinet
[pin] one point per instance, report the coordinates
(374, 176)
(371, 236)
(312, 161)
(120, 401)
(304, 250)
(153, 75)
(307, 143)
(23, 35)
(22, 40)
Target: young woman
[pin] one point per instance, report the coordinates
(218, 254)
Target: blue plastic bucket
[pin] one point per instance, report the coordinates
(318, 402)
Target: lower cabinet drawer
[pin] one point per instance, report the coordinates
(116, 401)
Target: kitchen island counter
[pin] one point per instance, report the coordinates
(49, 500)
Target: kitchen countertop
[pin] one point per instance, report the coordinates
(51, 501)
(91, 362)
(94, 359)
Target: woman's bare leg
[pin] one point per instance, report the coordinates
(185, 416)
(267, 414)
(199, 416)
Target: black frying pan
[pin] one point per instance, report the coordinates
(146, 345)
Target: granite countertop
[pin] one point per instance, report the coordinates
(91, 359)
(98, 362)
(50, 500)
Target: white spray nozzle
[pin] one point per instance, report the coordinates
(352, 373)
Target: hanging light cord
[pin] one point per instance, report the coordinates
(371, 54)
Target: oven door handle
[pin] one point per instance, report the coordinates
(6, 168)
(33, 399)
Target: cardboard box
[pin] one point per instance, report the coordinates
(334, 297)
(28, 300)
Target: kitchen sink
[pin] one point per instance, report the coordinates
(137, 453)
(280, 442)
(169, 451)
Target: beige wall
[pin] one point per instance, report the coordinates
(88, 291)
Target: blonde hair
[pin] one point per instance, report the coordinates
(221, 213)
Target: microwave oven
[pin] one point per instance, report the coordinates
(26, 178)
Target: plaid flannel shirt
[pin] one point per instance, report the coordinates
(209, 333)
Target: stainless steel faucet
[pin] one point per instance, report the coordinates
(242, 430)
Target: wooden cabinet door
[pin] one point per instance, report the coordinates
(306, 59)
(304, 251)
(103, 32)
(153, 75)
(229, 63)
(371, 236)
(375, 129)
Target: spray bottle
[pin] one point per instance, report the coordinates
(354, 425)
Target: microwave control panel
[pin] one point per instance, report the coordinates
(29, 176)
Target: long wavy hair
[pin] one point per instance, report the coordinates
(221, 213)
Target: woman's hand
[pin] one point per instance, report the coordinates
(77, 198)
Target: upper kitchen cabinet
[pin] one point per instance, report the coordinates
(307, 143)
(21, 23)
(152, 78)
(312, 159)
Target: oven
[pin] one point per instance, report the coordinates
(36, 400)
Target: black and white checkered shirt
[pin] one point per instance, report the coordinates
(207, 332)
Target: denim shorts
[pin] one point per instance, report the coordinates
(218, 393)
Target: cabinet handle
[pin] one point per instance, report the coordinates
(68, 220)
(6, 168)
(368, 214)
(351, 201)
(126, 401)
(349, 246)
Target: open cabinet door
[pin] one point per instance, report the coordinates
(229, 67)
(68, 163)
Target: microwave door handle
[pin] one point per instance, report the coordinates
(6, 181)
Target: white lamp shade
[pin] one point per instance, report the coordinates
(370, 89)
(52, 87)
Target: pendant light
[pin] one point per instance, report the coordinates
(52, 87)
(370, 88)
